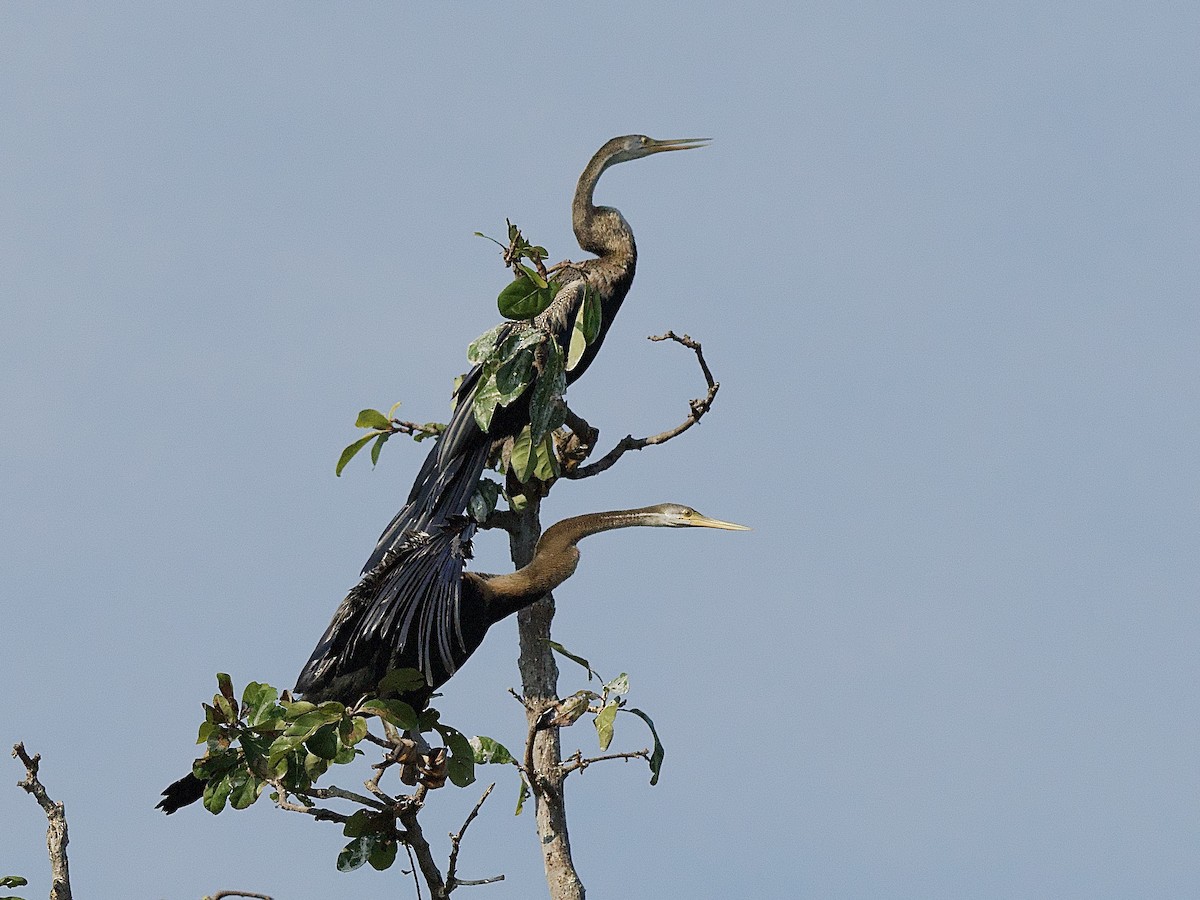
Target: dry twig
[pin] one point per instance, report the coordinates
(56, 832)
(698, 408)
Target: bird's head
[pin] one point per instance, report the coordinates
(675, 515)
(635, 146)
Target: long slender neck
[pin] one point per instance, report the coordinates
(601, 229)
(555, 559)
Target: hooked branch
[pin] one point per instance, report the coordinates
(699, 407)
(56, 816)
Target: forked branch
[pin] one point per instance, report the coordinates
(56, 833)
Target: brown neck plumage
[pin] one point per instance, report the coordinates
(554, 561)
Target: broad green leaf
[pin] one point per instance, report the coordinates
(487, 398)
(350, 451)
(523, 299)
(324, 742)
(656, 758)
(352, 730)
(315, 766)
(297, 708)
(559, 648)
(590, 314)
(245, 790)
(378, 445)
(308, 723)
(604, 724)
(356, 853)
(545, 459)
(514, 376)
(372, 418)
(586, 328)
(216, 792)
(483, 501)
(257, 698)
(551, 384)
(12, 881)
(396, 712)
(207, 730)
(522, 458)
(460, 767)
(481, 347)
(227, 706)
(402, 681)
(490, 751)
(225, 685)
(358, 824)
(383, 855)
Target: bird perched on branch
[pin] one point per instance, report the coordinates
(482, 601)
(408, 604)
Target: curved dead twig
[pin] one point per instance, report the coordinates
(698, 407)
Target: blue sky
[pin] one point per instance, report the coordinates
(943, 261)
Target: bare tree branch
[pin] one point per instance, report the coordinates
(56, 816)
(577, 762)
(452, 879)
(219, 895)
(415, 838)
(698, 408)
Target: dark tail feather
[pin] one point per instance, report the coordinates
(179, 794)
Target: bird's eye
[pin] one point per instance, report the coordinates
(643, 140)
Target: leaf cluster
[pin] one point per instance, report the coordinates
(381, 427)
(270, 739)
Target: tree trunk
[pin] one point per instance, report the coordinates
(539, 681)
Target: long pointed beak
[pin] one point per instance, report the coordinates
(676, 144)
(706, 522)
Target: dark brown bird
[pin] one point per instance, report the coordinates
(483, 600)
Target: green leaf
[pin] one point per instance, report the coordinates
(225, 685)
(604, 724)
(559, 648)
(356, 853)
(522, 796)
(483, 501)
(383, 855)
(514, 376)
(656, 758)
(378, 445)
(586, 328)
(551, 384)
(216, 792)
(523, 299)
(481, 347)
(358, 824)
(324, 742)
(533, 276)
(489, 751)
(297, 708)
(522, 458)
(352, 730)
(350, 451)
(207, 730)
(402, 681)
(460, 767)
(545, 459)
(246, 789)
(487, 398)
(12, 881)
(372, 418)
(396, 712)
